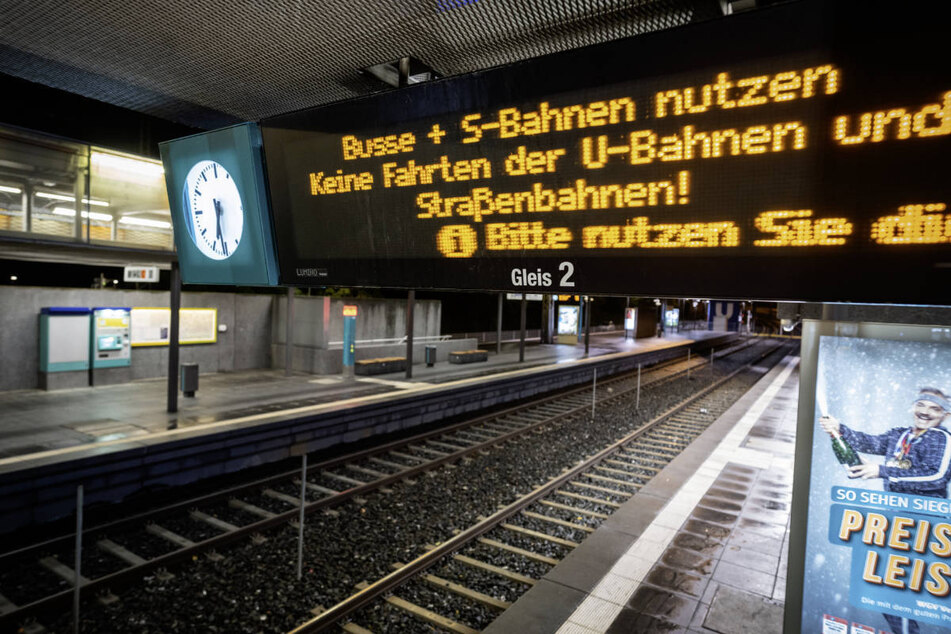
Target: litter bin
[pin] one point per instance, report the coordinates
(189, 379)
(430, 356)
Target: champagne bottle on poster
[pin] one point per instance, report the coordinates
(844, 452)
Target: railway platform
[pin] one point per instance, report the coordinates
(701, 548)
(33, 421)
(118, 440)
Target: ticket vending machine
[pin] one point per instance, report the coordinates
(110, 346)
(64, 347)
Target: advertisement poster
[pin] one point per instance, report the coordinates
(672, 318)
(630, 319)
(568, 320)
(878, 547)
(150, 326)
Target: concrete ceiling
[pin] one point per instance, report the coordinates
(207, 63)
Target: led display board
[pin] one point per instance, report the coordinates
(796, 152)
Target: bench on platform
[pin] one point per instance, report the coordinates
(383, 365)
(468, 356)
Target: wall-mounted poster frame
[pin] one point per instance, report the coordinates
(872, 550)
(150, 326)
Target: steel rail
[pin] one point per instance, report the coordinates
(348, 606)
(120, 577)
(217, 496)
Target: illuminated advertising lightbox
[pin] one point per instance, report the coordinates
(877, 554)
(630, 319)
(672, 318)
(568, 320)
(792, 152)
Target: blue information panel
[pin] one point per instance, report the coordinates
(219, 207)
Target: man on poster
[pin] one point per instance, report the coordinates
(918, 459)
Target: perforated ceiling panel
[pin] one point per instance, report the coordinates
(207, 63)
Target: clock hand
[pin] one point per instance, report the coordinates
(218, 211)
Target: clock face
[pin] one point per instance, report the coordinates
(213, 210)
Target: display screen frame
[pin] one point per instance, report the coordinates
(815, 491)
(370, 249)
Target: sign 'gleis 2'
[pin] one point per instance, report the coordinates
(791, 152)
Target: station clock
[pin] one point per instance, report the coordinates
(213, 210)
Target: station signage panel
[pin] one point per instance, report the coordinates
(870, 547)
(796, 152)
(147, 274)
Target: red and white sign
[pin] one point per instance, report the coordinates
(834, 625)
(148, 274)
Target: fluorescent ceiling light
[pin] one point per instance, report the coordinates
(10, 190)
(92, 215)
(145, 222)
(139, 167)
(70, 199)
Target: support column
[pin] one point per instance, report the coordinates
(174, 304)
(289, 333)
(26, 202)
(521, 337)
(587, 324)
(78, 206)
(410, 305)
(498, 327)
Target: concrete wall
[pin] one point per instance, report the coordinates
(318, 331)
(245, 345)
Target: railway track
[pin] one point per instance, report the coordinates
(202, 526)
(559, 513)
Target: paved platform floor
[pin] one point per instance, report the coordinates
(33, 421)
(702, 548)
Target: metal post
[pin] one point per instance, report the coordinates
(300, 529)
(498, 328)
(26, 202)
(78, 207)
(594, 391)
(521, 337)
(587, 324)
(627, 304)
(289, 332)
(548, 306)
(349, 343)
(410, 305)
(175, 303)
(637, 403)
(403, 72)
(711, 358)
(87, 188)
(688, 363)
(77, 563)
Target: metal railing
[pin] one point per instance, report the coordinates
(389, 341)
(488, 337)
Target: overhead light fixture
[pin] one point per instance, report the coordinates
(10, 190)
(70, 199)
(145, 222)
(92, 215)
(417, 72)
(139, 167)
